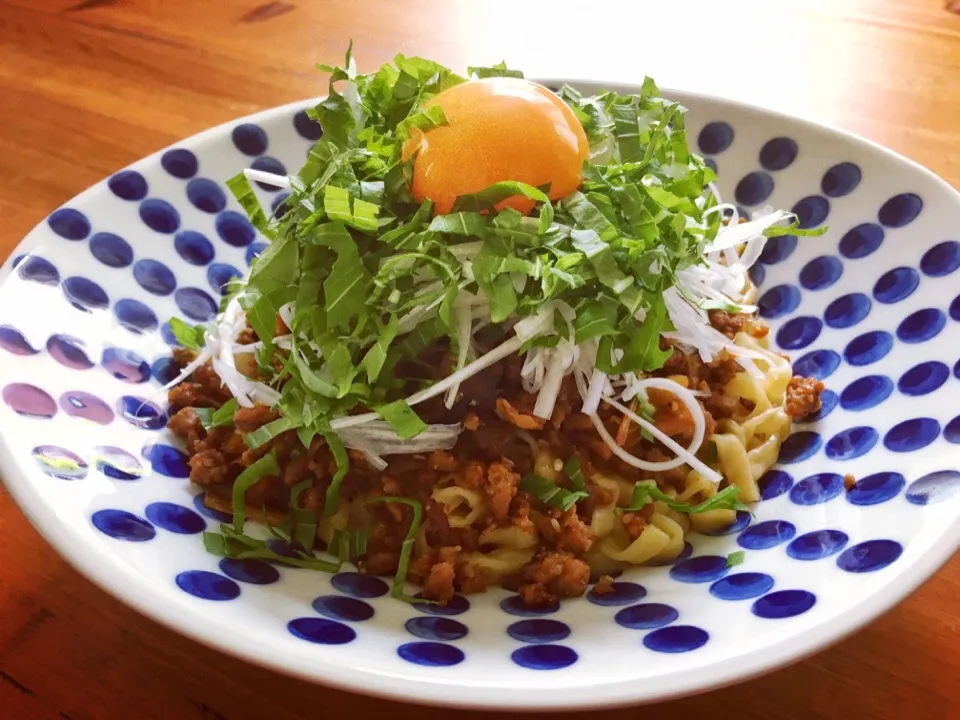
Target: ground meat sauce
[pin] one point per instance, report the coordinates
(490, 457)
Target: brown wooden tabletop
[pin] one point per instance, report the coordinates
(88, 86)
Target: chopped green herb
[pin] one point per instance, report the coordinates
(725, 499)
(264, 467)
(189, 336)
(406, 549)
(736, 558)
(550, 494)
(221, 417)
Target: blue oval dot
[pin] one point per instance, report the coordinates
(779, 153)
(704, 568)
(861, 241)
(852, 443)
(816, 545)
(715, 138)
(358, 585)
(819, 364)
(159, 215)
(895, 285)
(538, 630)
(923, 378)
(69, 224)
(742, 586)
(60, 463)
(778, 301)
(164, 371)
(202, 508)
(951, 432)
(455, 606)
(69, 352)
(339, 607)
(710, 163)
(141, 413)
(84, 293)
(193, 247)
(800, 446)
(321, 631)
(38, 270)
(767, 534)
(514, 606)
(911, 435)
(253, 252)
(646, 616)
(270, 165)
(154, 277)
(900, 210)
(935, 487)
(821, 272)
(757, 274)
(125, 365)
(206, 195)
(754, 188)
(866, 392)
(135, 316)
(128, 185)
(774, 483)
(195, 304)
(112, 250)
(544, 657)
(307, 127)
(799, 332)
(207, 585)
(676, 639)
(279, 205)
(234, 229)
(686, 552)
(741, 520)
(220, 274)
(817, 489)
(14, 342)
(123, 525)
(869, 556)
(955, 308)
(828, 401)
(431, 654)
(847, 310)
(117, 463)
(921, 326)
(868, 348)
(250, 139)
(942, 259)
(842, 179)
(778, 249)
(255, 572)
(811, 211)
(436, 628)
(621, 593)
(180, 163)
(175, 518)
(784, 604)
(876, 488)
(167, 460)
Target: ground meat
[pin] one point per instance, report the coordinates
(249, 419)
(439, 583)
(380, 563)
(803, 396)
(501, 487)
(208, 467)
(469, 580)
(552, 577)
(442, 461)
(634, 523)
(186, 425)
(510, 414)
(604, 586)
(732, 323)
(575, 536)
(849, 481)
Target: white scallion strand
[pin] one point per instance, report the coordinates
(280, 181)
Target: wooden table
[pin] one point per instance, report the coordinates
(88, 86)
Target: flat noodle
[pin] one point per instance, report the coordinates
(462, 507)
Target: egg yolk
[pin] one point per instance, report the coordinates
(498, 129)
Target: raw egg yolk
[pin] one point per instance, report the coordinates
(498, 129)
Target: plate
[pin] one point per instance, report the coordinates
(871, 308)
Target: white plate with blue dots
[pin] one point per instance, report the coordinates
(872, 308)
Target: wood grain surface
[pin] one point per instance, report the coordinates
(88, 86)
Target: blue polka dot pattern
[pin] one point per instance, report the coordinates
(817, 545)
(85, 406)
(206, 195)
(821, 272)
(741, 520)
(923, 378)
(620, 593)
(279, 205)
(868, 348)
(359, 586)
(141, 413)
(431, 654)
(869, 556)
(847, 310)
(799, 332)
(154, 277)
(307, 127)
(13, 341)
(270, 165)
(338, 607)
(767, 534)
(921, 326)
(911, 435)
(159, 215)
(125, 365)
(69, 224)
(774, 483)
(900, 210)
(676, 639)
(195, 304)
(851, 443)
(955, 308)
(778, 301)
(877, 488)
(175, 518)
(817, 489)
(123, 525)
(117, 463)
(220, 274)
(715, 138)
(811, 211)
(742, 586)
(60, 463)
(842, 179)
(436, 628)
(253, 251)
(455, 606)
(779, 153)
(757, 274)
(933, 488)
(321, 631)
(234, 229)
(180, 163)
(951, 432)
(250, 139)
(861, 241)
(209, 512)
(784, 604)
(514, 606)
(193, 247)
(778, 249)
(128, 185)
(866, 393)
(538, 630)
(167, 460)
(38, 270)
(85, 294)
(710, 163)
(941, 259)
(544, 657)
(29, 400)
(819, 364)
(895, 285)
(828, 401)
(112, 250)
(253, 572)
(135, 316)
(754, 188)
(646, 616)
(704, 568)
(69, 352)
(800, 446)
(207, 585)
